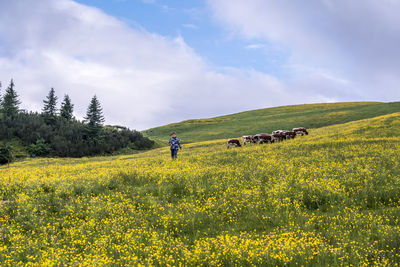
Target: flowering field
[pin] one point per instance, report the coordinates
(330, 198)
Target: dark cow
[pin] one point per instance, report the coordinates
(290, 134)
(233, 142)
(262, 138)
(279, 131)
(247, 139)
(300, 130)
(279, 135)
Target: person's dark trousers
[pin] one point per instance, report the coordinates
(174, 153)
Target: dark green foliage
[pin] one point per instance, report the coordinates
(67, 109)
(5, 154)
(68, 138)
(50, 104)
(94, 115)
(40, 148)
(10, 103)
(0, 95)
(63, 136)
(94, 119)
(50, 107)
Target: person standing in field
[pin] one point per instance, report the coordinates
(174, 144)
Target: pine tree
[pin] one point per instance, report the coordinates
(10, 103)
(94, 115)
(1, 99)
(50, 104)
(67, 108)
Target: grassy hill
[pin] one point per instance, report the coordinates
(270, 119)
(329, 198)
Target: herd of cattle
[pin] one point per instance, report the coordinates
(277, 135)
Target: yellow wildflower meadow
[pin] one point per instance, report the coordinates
(330, 198)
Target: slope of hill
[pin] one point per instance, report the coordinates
(329, 198)
(267, 120)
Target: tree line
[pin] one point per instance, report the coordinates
(56, 132)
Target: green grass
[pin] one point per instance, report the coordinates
(270, 119)
(331, 198)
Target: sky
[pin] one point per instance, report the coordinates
(153, 62)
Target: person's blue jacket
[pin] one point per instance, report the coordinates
(174, 143)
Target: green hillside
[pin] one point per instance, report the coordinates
(331, 198)
(270, 119)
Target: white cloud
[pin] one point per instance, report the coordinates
(142, 79)
(254, 46)
(190, 26)
(351, 45)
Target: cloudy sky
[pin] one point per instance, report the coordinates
(152, 62)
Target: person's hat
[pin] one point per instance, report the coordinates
(173, 133)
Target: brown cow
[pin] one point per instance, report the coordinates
(263, 138)
(233, 142)
(300, 130)
(279, 135)
(290, 134)
(247, 139)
